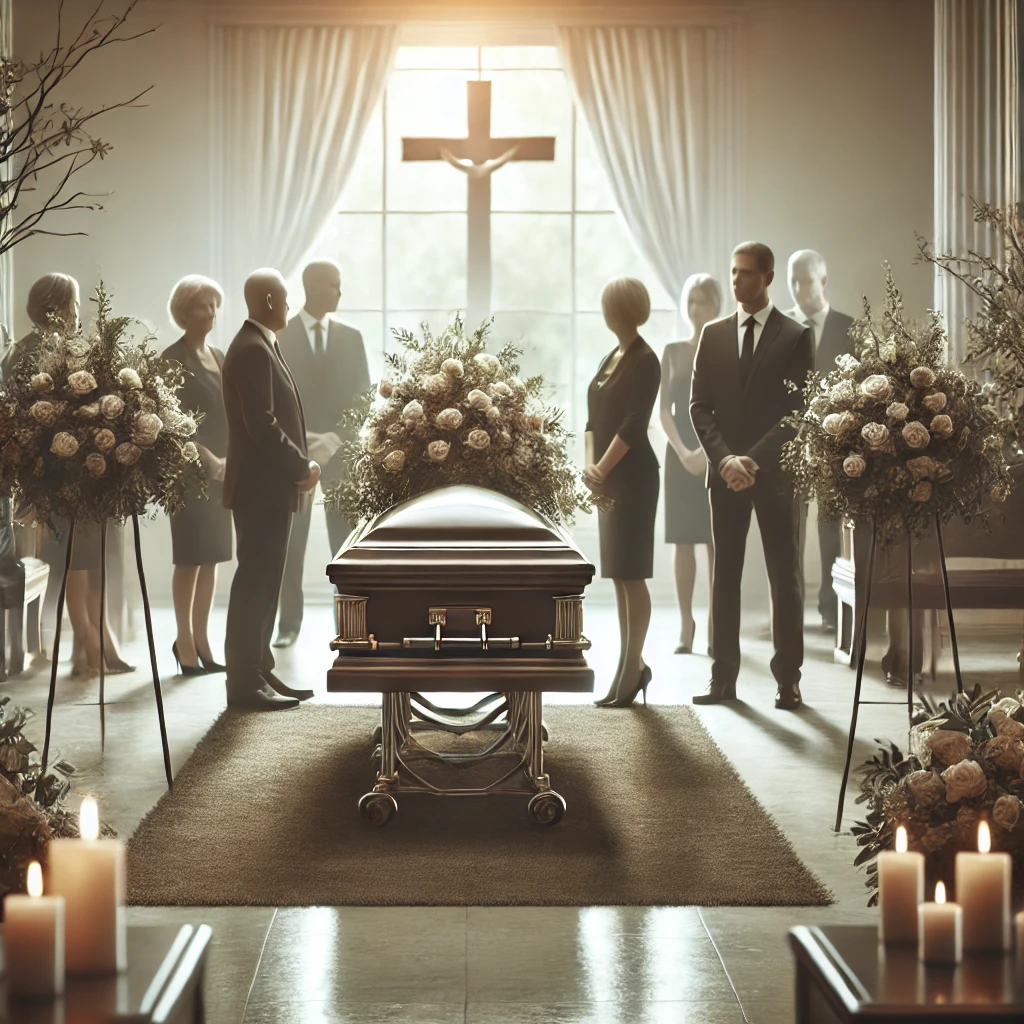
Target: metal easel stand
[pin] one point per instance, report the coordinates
(521, 735)
(51, 698)
(862, 647)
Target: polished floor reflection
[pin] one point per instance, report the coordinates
(517, 965)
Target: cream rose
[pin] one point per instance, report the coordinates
(854, 466)
(147, 429)
(922, 377)
(478, 439)
(1005, 706)
(964, 781)
(81, 382)
(921, 468)
(44, 413)
(111, 406)
(413, 411)
(438, 450)
(88, 412)
(448, 419)
(499, 387)
(935, 402)
(436, 383)
(1006, 812)
(948, 746)
(493, 414)
(942, 426)
(926, 788)
(487, 362)
(129, 378)
(127, 453)
(478, 399)
(41, 382)
(897, 411)
(875, 434)
(453, 368)
(385, 389)
(394, 461)
(95, 464)
(832, 424)
(104, 440)
(844, 391)
(921, 491)
(64, 444)
(1010, 728)
(916, 435)
(1005, 752)
(876, 386)
(190, 452)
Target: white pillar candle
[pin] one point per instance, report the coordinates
(1019, 921)
(900, 890)
(90, 874)
(34, 940)
(940, 930)
(983, 882)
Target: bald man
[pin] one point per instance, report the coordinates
(328, 362)
(267, 476)
(808, 278)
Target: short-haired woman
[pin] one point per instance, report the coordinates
(201, 532)
(621, 465)
(687, 509)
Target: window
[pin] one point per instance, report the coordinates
(400, 230)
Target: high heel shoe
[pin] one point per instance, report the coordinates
(209, 665)
(688, 648)
(641, 687)
(186, 670)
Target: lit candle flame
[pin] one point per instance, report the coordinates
(35, 879)
(940, 892)
(984, 838)
(89, 819)
(901, 840)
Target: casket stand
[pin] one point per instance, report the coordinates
(460, 590)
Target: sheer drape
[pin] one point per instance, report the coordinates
(291, 106)
(661, 107)
(976, 134)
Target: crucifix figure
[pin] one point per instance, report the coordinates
(478, 156)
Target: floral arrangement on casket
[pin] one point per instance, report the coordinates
(450, 412)
(92, 428)
(895, 435)
(965, 764)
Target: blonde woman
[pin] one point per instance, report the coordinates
(622, 465)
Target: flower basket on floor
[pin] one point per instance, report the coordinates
(964, 765)
(450, 412)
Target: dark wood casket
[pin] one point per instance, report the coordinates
(460, 590)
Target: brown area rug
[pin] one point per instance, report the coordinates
(264, 813)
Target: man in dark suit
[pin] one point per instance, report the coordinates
(739, 397)
(328, 362)
(808, 278)
(267, 475)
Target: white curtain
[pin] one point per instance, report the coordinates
(977, 134)
(291, 107)
(660, 104)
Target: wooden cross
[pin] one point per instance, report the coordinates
(478, 156)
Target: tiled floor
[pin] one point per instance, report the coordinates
(599, 965)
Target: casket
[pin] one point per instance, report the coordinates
(460, 589)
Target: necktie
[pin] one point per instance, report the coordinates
(814, 331)
(747, 354)
(318, 339)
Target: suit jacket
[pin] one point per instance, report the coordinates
(266, 427)
(329, 386)
(730, 420)
(835, 337)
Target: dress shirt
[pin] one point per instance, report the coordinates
(309, 323)
(742, 316)
(816, 322)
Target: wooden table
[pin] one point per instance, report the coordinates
(843, 974)
(163, 983)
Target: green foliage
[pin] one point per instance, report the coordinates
(449, 412)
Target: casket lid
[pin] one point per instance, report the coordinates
(471, 529)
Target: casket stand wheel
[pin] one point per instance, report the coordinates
(377, 808)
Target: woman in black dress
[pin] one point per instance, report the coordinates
(687, 510)
(621, 464)
(201, 532)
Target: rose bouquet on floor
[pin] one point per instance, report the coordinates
(92, 428)
(894, 434)
(965, 764)
(450, 412)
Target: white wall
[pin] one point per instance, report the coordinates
(837, 137)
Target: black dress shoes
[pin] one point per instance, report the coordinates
(788, 697)
(286, 638)
(716, 693)
(263, 699)
(284, 689)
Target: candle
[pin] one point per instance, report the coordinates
(983, 890)
(1019, 920)
(900, 890)
(89, 874)
(940, 927)
(34, 940)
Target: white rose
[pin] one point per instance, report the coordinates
(922, 377)
(41, 382)
(854, 466)
(95, 464)
(81, 382)
(111, 406)
(478, 439)
(44, 413)
(438, 450)
(847, 363)
(64, 444)
(127, 453)
(916, 435)
(832, 424)
(413, 411)
(453, 367)
(897, 411)
(487, 362)
(942, 426)
(876, 434)
(385, 389)
(147, 429)
(877, 386)
(104, 440)
(394, 461)
(934, 403)
(448, 419)
(129, 378)
(964, 780)
(922, 468)
(478, 399)
(493, 414)
(190, 452)
(88, 412)
(436, 384)
(501, 388)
